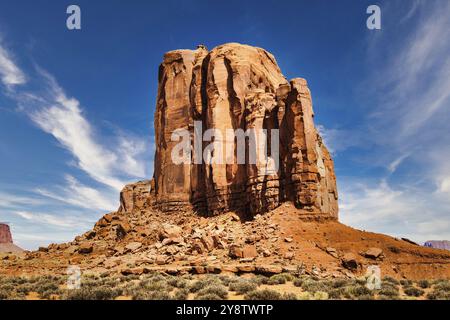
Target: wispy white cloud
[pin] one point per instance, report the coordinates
(109, 161)
(338, 140)
(79, 195)
(63, 118)
(61, 221)
(9, 201)
(407, 123)
(10, 74)
(398, 211)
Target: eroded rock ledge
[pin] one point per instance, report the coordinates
(237, 86)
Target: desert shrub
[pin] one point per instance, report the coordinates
(226, 280)
(388, 289)
(314, 286)
(243, 286)
(413, 292)
(264, 294)
(208, 296)
(441, 290)
(213, 289)
(277, 279)
(155, 284)
(405, 282)
(25, 288)
(438, 295)
(287, 276)
(336, 293)
(298, 282)
(177, 282)
(157, 295)
(423, 284)
(359, 291)
(261, 279)
(7, 287)
(181, 294)
(205, 282)
(362, 281)
(48, 287)
(339, 283)
(289, 296)
(394, 249)
(3, 294)
(99, 293)
(443, 285)
(320, 295)
(391, 280)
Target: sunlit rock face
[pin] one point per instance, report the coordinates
(236, 87)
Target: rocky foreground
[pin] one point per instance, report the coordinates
(139, 239)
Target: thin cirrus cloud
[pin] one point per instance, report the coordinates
(63, 118)
(409, 124)
(76, 194)
(52, 220)
(10, 74)
(109, 168)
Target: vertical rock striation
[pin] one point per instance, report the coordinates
(238, 87)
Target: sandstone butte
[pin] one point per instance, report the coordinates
(239, 87)
(6, 240)
(213, 218)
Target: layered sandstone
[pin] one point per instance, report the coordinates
(235, 87)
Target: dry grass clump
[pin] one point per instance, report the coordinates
(212, 292)
(264, 294)
(441, 290)
(242, 286)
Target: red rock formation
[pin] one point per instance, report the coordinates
(5, 234)
(237, 86)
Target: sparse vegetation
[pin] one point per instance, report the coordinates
(243, 286)
(413, 292)
(423, 284)
(265, 294)
(158, 286)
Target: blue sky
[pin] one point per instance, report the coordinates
(76, 107)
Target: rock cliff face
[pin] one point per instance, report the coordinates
(5, 234)
(236, 87)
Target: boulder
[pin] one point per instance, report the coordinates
(208, 242)
(133, 246)
(373, 253)
(350, 261)
(235, 251)
(332, 252)
(169, 231)
(85, 248)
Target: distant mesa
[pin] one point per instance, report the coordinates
(6, 241)
(438, 244)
